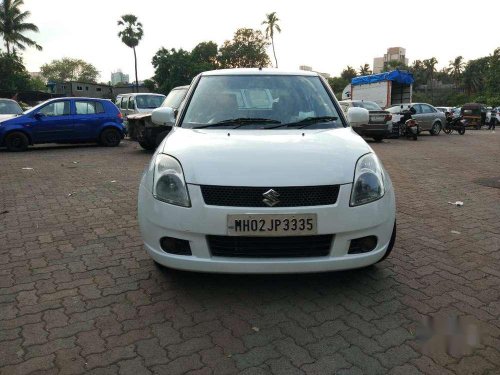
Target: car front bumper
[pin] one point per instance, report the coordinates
(158, 219)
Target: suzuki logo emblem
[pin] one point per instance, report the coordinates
(271, 198)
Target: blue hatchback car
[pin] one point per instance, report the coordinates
(63, 120)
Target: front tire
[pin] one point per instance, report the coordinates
(147, 145)
(16, 142)
(110, 137)
(378, 138)
(436, 128)
(461, 131)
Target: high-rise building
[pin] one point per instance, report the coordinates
(393, 54)
(119, 77)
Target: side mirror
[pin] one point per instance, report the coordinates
(163, 116)
(358, 116)
(39, 115)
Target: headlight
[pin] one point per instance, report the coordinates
(169, 185)
(368, 181)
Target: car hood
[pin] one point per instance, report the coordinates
(6, 117)
(266, 157)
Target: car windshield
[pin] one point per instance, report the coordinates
(261, 102)
(174, 98)
(8, 107)
(371, 106)
(149, 101)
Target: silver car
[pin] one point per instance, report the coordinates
(138, 103)
(428, 118)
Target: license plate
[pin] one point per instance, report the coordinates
(272, 225)
(378, 118)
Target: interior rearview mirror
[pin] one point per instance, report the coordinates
(358, 116)
(163, 116)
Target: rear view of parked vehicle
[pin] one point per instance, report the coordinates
(68, 120)
(130, 104)
(379, 125)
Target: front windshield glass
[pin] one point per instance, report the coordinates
(149, 101)
(371, 106)
(8, 107)
(261, 102)
(174, 98)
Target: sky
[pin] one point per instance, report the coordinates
(326, 35)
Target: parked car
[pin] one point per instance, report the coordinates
(267, 185)
(133, 103)
(379, 125)
(140, 128)
(64, 120)
(428, 117)
(9, 108)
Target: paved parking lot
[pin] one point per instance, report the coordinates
(79, 295)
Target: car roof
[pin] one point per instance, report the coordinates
(139, 93)
(258, 71)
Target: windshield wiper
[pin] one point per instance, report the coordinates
(307, 121)
(241, 121)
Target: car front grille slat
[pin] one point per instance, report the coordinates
(289, 196)
(270, 247)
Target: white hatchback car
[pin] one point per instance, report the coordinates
(263, 174)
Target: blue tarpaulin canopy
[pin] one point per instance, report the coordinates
(396, 75)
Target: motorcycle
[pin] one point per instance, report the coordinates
(458, 124)
(408, 127)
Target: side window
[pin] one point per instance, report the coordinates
(131, 103)
(418, 109)
(124, 103)
(56, 109)
(88, 107)
(427, 108)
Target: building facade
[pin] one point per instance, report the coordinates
(393, 54)
(119, 77)
(81, 89)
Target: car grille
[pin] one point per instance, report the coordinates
(290, 196)
(270, 247)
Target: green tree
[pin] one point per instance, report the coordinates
(349, 73)
(13, 24)
(247, 49)
(204, 56)
(337, 84)
(456, 69)
(131, 35)
(395, 64)
(67, 69)
(474, 75)
(430, 69)
(365, 70)
(271, 23)
(13, 74)
(172, 68)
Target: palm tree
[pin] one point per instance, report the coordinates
(457, 67)
(131, 35)
(272, 24)
(13, 25)
(364, 70)
(430, 68)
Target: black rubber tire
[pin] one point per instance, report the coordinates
(415, 137)
(447, 130)
(461, 131)
(378, 139)
(147, 145)
(110, 137)
(478, 127)
(17, 141)
(436, 132)
(391, 244)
